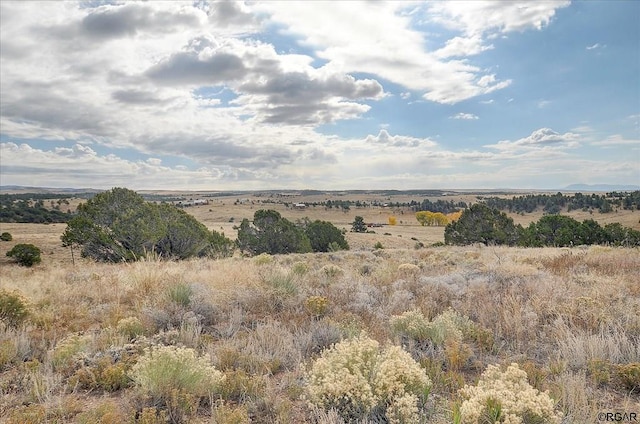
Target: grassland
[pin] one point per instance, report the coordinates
(569, 317)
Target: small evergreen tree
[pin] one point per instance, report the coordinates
(553, 230)
(25, 254)
(481, 224)
(271, 233)
(325, 237)
(358, 225)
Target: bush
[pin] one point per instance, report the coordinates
(6, 236)
(325, 237)
(65, 354)
(131, 327)
(25, 254)
(629, 376)
(361, 381)
(103, 373)
(317, 306)
(13, 309)
(449, 325)
(118, 225)
(176, 378)
(271, 233)
(412, 324)
(358, 225)
(481, 224)
(506, 396)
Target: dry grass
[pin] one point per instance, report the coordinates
(569, 317)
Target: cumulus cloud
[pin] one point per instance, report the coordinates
(127, 20)
(189, 68)
(396, 53)
(385, 139)
(540, 138)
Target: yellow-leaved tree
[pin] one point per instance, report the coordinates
(432, 218)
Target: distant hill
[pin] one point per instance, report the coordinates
(28, 189)
(601, 187)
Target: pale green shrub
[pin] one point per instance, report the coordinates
(131, 327)
(263, 259)
(299, 268)
(69, 350)
(412, 324)
(180, 294)
(449, 325)
(13, 309)
(332, 271)
(165, 368)
(361, 381)
(506, 397)
(176, 378)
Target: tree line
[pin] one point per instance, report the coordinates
(482, 224)
(555, 203)
(22, 209)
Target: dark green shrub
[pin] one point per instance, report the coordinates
(272, 234)
(325, 237)
(118, 225)
(6, 236)
(481, 224)
(358, 225)
(25, 254)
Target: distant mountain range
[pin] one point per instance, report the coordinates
(28, 189)
(572, 187)
(601, 187)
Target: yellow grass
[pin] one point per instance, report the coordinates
(557, 312)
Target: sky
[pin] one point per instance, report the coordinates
(336, 95)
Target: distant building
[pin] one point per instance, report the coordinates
(300, 206)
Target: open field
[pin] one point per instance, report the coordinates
(569, 317)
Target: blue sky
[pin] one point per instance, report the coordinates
(320, 95)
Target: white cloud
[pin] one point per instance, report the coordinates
(540, 139)
(462, 46)
(616, 140)
(396, 52)
(465, 116)
(481, 18)
(386, 139)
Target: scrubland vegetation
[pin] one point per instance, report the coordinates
(171, 324)
(433, 335)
